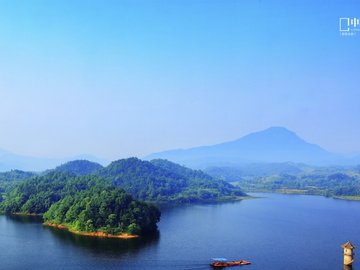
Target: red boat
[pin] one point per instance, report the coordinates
(222, 262)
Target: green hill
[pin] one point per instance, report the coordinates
(9, 179)
(163, 181)
(79, 167)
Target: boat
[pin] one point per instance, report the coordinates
(222, 262)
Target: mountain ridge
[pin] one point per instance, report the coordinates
(275, 144)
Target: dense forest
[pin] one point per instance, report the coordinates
(334, 181)
(82, 203)
(162, 181)
(158, 181)
(103, 209)
(9, 179)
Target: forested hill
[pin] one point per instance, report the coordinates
(159, 181)
(81, 203)
(164, 181)
(79, 167)
(15, 175)
(99, 201)
(9, 179)
(181, 170)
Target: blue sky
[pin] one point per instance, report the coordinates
(127, 78)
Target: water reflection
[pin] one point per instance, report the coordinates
(256, 230)
(92, 244)
(25, 219)
(104, 245)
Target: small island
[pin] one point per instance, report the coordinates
(103, 212)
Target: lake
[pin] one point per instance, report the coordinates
(274, 232)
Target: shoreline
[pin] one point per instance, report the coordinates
(92, 234)
(347, 198)
(301, 192)
(26, 214)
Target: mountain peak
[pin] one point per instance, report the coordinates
(274, 131)
(79, 167)
(270, 138)
(274, 144)
(278, 129)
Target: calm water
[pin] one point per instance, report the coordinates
(277, 232)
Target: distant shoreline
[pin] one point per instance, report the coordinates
(93, 234)
(347, 198)
(305, 192)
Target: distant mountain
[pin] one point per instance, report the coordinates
(275, 145)
(164, 181)
(10, 161)
(355, 160)
(79, 167)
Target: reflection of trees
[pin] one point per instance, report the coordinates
(108, 246)
(25, 219)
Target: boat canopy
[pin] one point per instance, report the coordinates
(219, 259)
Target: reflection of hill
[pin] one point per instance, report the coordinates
(93, 245)
(105, 246)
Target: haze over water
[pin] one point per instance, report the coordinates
(276, 232)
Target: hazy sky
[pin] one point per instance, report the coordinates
(127, 78)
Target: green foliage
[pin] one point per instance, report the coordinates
(163, 181)
(36, 195)
(157, 181)
(97, 202)
(15, 175)
(83, 203)
(11, 178)
(103, 209)
(79, 167)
